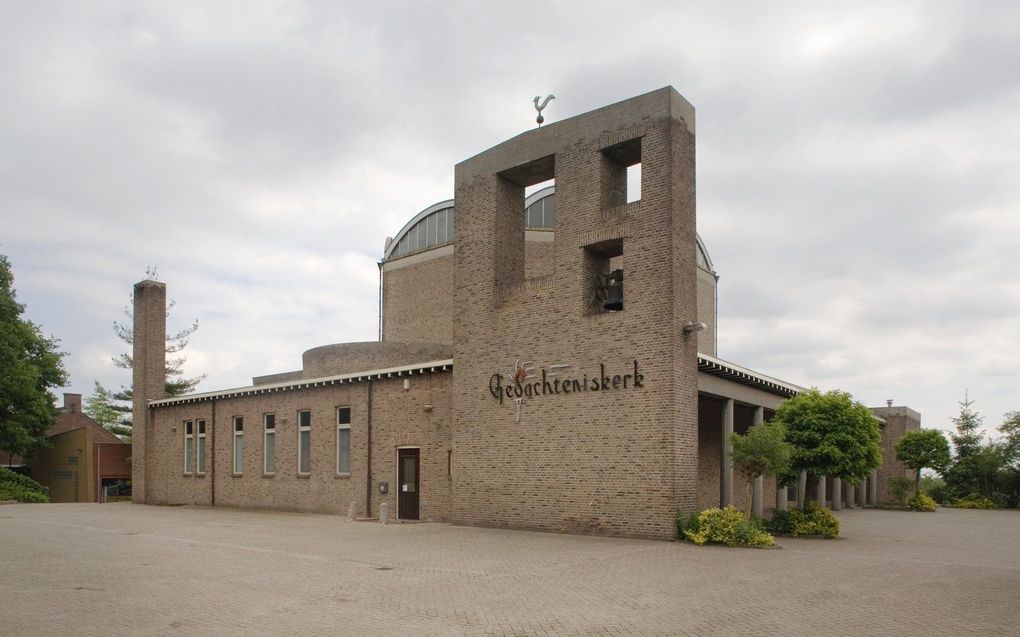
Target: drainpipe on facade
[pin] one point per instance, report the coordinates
(380, 300)
(99, 472)
(212, 455)
(368, 469)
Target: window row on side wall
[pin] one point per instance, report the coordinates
(195, 444)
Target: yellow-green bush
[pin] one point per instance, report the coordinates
(975, 502)
(811, 520)
(921, 503)
(724, 526)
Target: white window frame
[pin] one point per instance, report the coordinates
(238, 458)
(200, 451)
(189, 453)
(268, 431)
(343, 426)
(304, 429)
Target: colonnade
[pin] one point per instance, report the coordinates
(843, 494)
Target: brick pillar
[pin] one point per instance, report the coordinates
(149, 374)
(837, 493)
(801, 489)
(862, 493)
(782, 498)
(820, 491)
(726, 483)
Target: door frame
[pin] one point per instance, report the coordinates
(396, 480)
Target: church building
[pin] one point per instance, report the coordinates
(547, 360)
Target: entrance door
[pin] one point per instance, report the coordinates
(407, 499)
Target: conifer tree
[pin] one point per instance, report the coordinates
(967, 439)
(177, 384)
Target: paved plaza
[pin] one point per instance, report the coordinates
(125, 569)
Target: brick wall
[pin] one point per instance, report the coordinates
(539, 254)
(399, 418)
(707, 312)
(350, 358)
(898, 421)
(418, 298)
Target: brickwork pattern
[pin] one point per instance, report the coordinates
(539, 258)
(707, 312)
(418, 302)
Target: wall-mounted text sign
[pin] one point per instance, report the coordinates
(524, 382)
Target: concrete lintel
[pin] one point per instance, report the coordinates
(708, 384)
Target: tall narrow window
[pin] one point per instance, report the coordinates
(304, 441)
(343, 440)
(238, 444)
(269, 448)
(189, 446)
(201, 447)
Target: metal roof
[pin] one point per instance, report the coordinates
(308, 383)
(737, 374)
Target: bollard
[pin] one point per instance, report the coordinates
(384, 513)
(352, 511)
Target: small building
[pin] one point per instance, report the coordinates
(547, 358)
(82, 459)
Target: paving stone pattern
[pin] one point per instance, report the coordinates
(124, 569)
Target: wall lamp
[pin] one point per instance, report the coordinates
(691, 327)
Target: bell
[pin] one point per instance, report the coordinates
(614, 291)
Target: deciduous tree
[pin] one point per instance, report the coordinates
(763, 450)
(831, 434)
(923, 448)
(30, 366)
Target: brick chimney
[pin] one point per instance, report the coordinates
(72, 403)
(149, 374)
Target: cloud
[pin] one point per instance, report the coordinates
(857, 173)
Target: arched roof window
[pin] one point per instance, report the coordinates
(433, 226)
(429, 228)
(703, 259)
(540, 209)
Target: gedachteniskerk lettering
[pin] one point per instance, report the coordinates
(601, 382)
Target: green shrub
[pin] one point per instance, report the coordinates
(900, 487)
(811, 520)
(14, 486)
(781, 522)
(724, 526)
(10, 491)
(686, 523)
(921, 503)
(11, 477)
(935, 488)
(975, 502)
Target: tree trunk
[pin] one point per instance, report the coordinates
(917, 483)
(747, 500)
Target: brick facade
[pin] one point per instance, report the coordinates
(609, 462)
(898, 421)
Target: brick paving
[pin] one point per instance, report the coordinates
(124, 569)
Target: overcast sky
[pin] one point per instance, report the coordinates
(858, 170)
